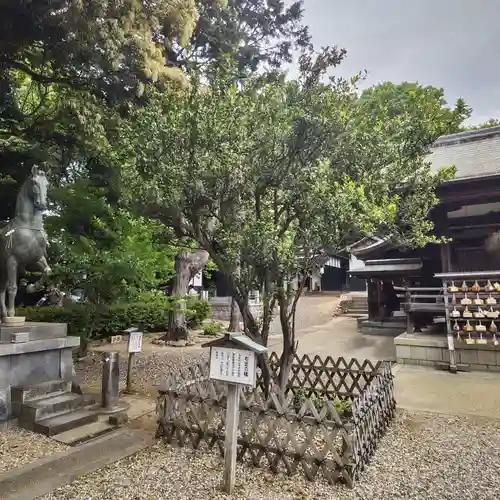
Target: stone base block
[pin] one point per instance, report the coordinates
(46, 356)
(382, 328)
(221, 309)
(432, 350)
(34, 331)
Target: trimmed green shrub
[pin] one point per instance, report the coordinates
(79, 318)
(197, 311)
(89, 321)
(212, 329)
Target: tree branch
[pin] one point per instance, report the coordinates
(39, 77)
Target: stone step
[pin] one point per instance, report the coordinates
(36, 391)
(84, 433)
(357, 316)
(354, 304)
(60, 423)
(40, 408)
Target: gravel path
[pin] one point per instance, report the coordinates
(19, 447)
(423, 456)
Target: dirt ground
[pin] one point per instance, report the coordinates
(156, 361)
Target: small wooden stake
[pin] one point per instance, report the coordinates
(231, 440)
(131, 357)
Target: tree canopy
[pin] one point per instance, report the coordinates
(492, 122)
(251, 33)
(180, 112)
(69, 72)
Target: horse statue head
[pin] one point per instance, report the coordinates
(32, 197)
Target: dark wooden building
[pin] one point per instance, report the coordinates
(468, 214)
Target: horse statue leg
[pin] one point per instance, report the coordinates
(44, 266)
(3, 289)
(11, 285)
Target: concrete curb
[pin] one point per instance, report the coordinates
(47, 474)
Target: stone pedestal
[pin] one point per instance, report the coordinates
(33, 354)
(431, 349)
(221, 309)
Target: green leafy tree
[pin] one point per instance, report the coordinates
(107, 253)
(98, 45)
(245, 171)
(390, 130)
(70, 69)
(250, 32)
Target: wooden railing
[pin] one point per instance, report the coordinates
(416, 301)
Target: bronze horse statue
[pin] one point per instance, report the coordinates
(23, 241)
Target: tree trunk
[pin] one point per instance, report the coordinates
(287, 321)
(288, 347)
(253, 331)
(234, 320)
(187, 265)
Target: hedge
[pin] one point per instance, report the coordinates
(103, 321)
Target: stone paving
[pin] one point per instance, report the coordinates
(312, 311)
(417, 388)
(341, 337)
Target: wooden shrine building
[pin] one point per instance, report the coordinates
(469, 214)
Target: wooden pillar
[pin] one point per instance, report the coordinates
(373, 303)
(446, 258)
(409, 322)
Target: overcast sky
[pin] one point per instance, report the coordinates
(454, 44)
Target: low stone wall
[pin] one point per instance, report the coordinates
(391, 328)
(221, 309)
(432, 350)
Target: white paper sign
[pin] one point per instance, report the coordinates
(451, 344)
(233, 365)
(135, 342)
(197, 280)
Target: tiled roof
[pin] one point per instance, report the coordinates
(474, 154)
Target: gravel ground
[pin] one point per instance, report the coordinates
(155, 361)
(423, 456)
(19, 447)
(150, 366)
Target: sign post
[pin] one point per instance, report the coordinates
(233, 359)
(231, 439)
(134, 346)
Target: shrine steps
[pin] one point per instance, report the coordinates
(51, 407)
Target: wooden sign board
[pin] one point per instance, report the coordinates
(135, 342)
(235, 366)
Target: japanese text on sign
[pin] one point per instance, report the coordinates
(135, 342)
(232, 365)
